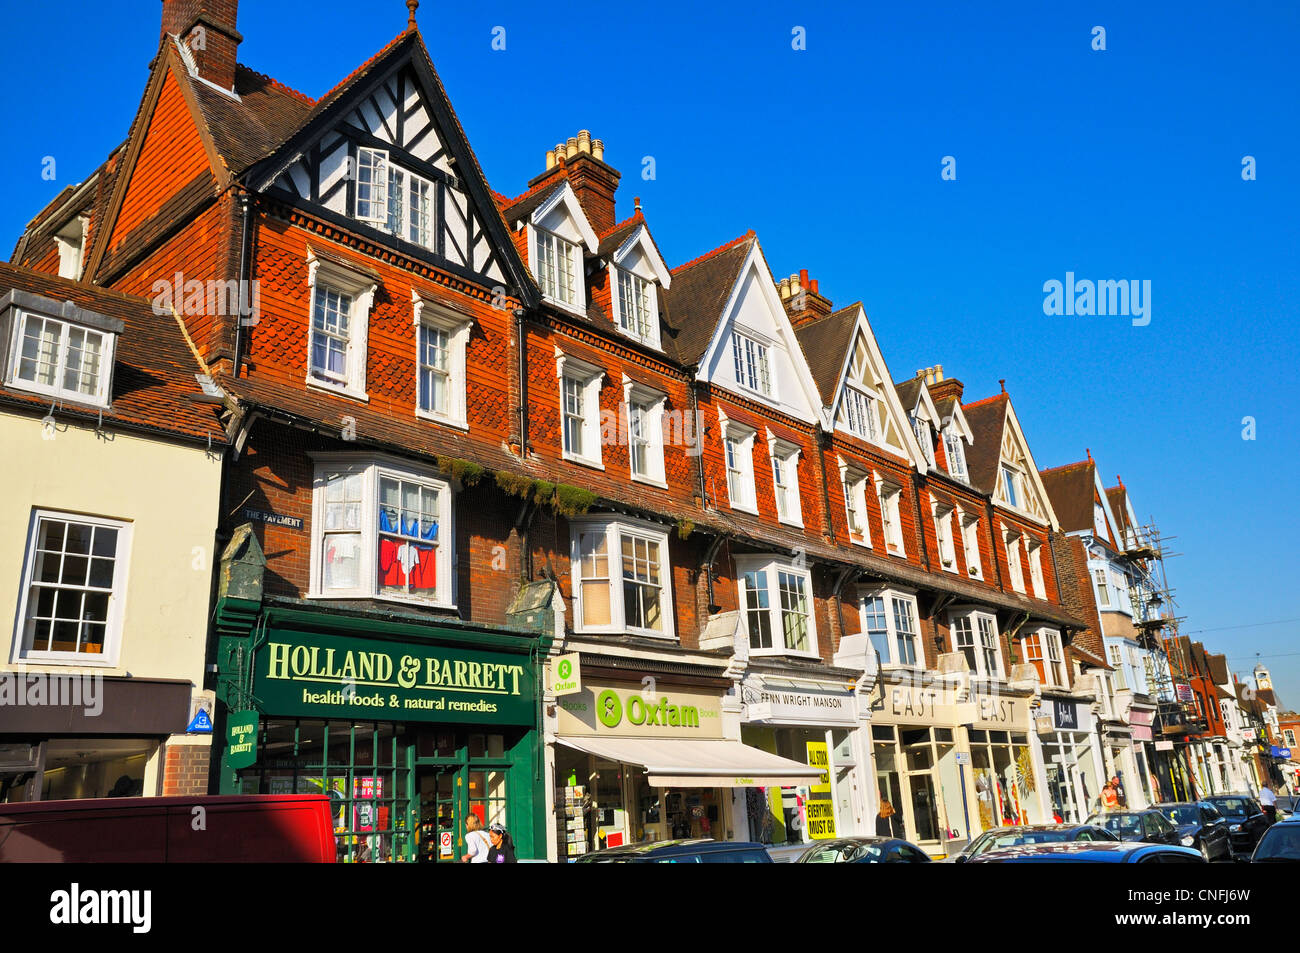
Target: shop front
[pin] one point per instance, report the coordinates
(815, 722)
(647, 761)
(408, 727)
(1145, 788)
(1004, 779)
(914, 743)
(1072, 763)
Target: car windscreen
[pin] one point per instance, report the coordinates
(1025, 837)
(1183, 814)
(1279, 843)
(1121, 824)
(1236, 806)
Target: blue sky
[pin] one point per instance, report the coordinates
(1123, 163)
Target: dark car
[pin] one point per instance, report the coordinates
(1001, 837)
(1286, 806)
(1200, 827)
(1100, 852)
(1246, 822)
(1280, 844)
(698, 851)
(864, 850)
(1148, 826)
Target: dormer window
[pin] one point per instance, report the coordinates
(921, 428)
(556, 263)
(751, 364)
(859, 414)
(637, 312)
(956, 453)
(71, 244)
(69, 357)
(1010, 486)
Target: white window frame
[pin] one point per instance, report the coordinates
(984, 641)
(589, 378)
(743, 438)
(774, 568)
(1035, 551)
(853, 482)
(956, 454)
(360, 288)
(784, 459)
(644, 304)
(1052, 656)
(550, 284)
(970, 543)
(371, 469)
(943, 513)
(1011, 485)
(20, 652)
(428, 314)
(637, 395)
(751, 361)
(1101, 587)
(107, 355)
(614, 530)
(1015, 565)
(396, 182)
(889, 496)
(924, 434)
(893, 601)
(859, 409)
(1289, 735)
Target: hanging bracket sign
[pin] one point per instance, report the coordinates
(566, 677)
(241, 738)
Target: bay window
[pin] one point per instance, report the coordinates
(776, 601)
(341, 297)
(621, 578)
(381, 529)
(889, 617)
(73, 586)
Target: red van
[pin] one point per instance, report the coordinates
(242, 828)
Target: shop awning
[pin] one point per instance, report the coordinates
(691, 763)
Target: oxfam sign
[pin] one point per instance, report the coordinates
(611, 710)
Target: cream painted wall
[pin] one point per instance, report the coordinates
(169, 494)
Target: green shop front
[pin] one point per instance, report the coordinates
(408, 726)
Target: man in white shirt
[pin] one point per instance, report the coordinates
(477, 843)
(1268, 801)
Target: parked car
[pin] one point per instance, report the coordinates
(1246, 822)
(1200, 827)
(1280, 844)
(1001, 837)
(253, 828)
(864, 850)
(698, 851)
(1148, 826)
(1098, 852)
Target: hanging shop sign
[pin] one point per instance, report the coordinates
(635, 710)
(1185, 693)
(566, 675)
(1283, 753)
(323, 676)
(1141, 723)
(819, 809)
(1164, 746)
(770, 701)
(241, 738)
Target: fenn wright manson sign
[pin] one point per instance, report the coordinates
(326, 676)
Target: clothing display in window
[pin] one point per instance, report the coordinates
(404, 563)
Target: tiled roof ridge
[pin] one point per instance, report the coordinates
(1066, 466)
(276, 84)
(634, 217)
(717, 251)
(512, 202)
(82, 286)
(986, 400)
(364, 66)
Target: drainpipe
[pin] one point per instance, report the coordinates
(699, 436)
(245, 297)
(920, 519)
(523, 383)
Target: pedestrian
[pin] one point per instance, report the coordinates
(1268, 801)
(477, 841)
(503, 848)
(1110, 796)
(886, 819)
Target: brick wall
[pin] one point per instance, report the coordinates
(185, 770)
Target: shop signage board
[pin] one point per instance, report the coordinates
(778, 705)
(566, 675)
(1065, 715)
(913, 704)
(1164, 746)
(314, 675)
(819, 809)
(635, 710)
(241, 738)
(1283, 753)
(998, 711)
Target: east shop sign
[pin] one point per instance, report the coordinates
(322, 676)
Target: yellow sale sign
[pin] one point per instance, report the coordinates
(820, 808)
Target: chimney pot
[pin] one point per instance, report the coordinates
(598, 149)
(938, 372)
(571, 146)
(550, 158)
(812, 286)
(784, 287)
(795, 285)
(803, 277)
(920, 372)
(584, 140)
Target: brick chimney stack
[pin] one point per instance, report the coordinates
(207, 28)
(944, 387)
(582, 161)
(802, 302)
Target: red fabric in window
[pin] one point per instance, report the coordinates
(401, 563)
